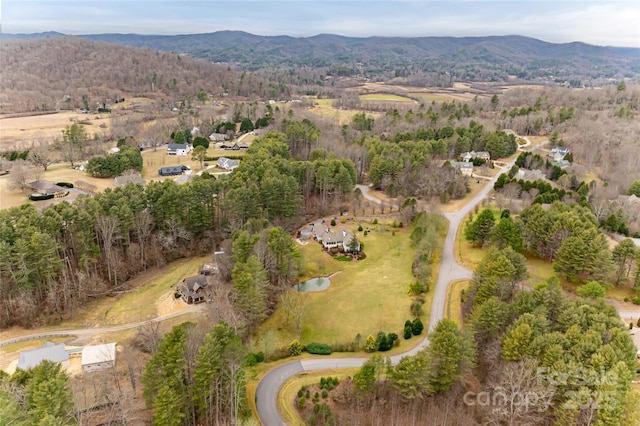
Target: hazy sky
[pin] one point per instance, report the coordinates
(597, 22)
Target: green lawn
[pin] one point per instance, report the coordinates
(365, 297)
(384, 97)
(142, 303)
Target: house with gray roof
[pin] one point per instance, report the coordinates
(227, 163)
(48, 351)
(467, 156)
(465, 167)
(192, 289)
(333, 237)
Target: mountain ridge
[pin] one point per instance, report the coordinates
(497, 56)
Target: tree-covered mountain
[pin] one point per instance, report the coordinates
(465, 57)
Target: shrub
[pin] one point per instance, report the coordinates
(360, 228)
(416, 308)
(343, 219)
(318, 348)
(417, 327)
(65, 184)
(370, 346)
(300, 393)
(295, 348)
(307, 394)
(375, 221)
(344, 258)
(638, 323)
(301, 403)
(253, 359)
(407, 332)
(636, 300)
(325, 393)
(333, 222)
(35, 197)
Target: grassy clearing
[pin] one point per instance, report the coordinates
(454, 300)
(365, 297)
(385, 97)
(325, 109)
(289, 390)
(143, 303)
(475, 185)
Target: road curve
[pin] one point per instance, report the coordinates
(450, 270)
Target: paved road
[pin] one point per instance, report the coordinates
(93, 331)
(269, 386)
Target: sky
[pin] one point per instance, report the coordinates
(605, 22)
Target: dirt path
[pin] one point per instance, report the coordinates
(84, 332)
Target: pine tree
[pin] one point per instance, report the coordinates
(451, 354)
(515, 344)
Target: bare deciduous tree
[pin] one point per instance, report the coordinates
(20, 175)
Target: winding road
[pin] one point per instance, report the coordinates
(450, 270)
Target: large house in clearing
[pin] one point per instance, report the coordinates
(467, 156)
(179, 149)
(193, 288)
(338, 237)
(227, 163)
(465, 167)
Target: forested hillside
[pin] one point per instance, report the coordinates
(385, 58)
(58, 73)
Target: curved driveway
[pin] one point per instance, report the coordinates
(450, 270)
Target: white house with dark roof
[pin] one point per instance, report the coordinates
(467, 156)
(98, 357)
(179, 149)
(338, 237)
(48, 351)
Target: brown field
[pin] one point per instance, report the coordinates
(19, 132)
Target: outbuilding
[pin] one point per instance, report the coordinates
(98, 357)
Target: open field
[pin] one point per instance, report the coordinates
(385, 97)
(19, 132)
(365, 297)
(324, 108)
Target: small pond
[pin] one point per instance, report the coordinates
(314, 284)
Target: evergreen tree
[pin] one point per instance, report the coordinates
(451, 354)
(478, 231)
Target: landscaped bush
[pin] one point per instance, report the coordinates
(295, 348)
(318, 349)
(65, 184)
(417, 327)
(344, 258)
(253, 359)
(177, 295)
(333, 222)
(407, 332)
(370, 346)
(34, 197)
(359, 228)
